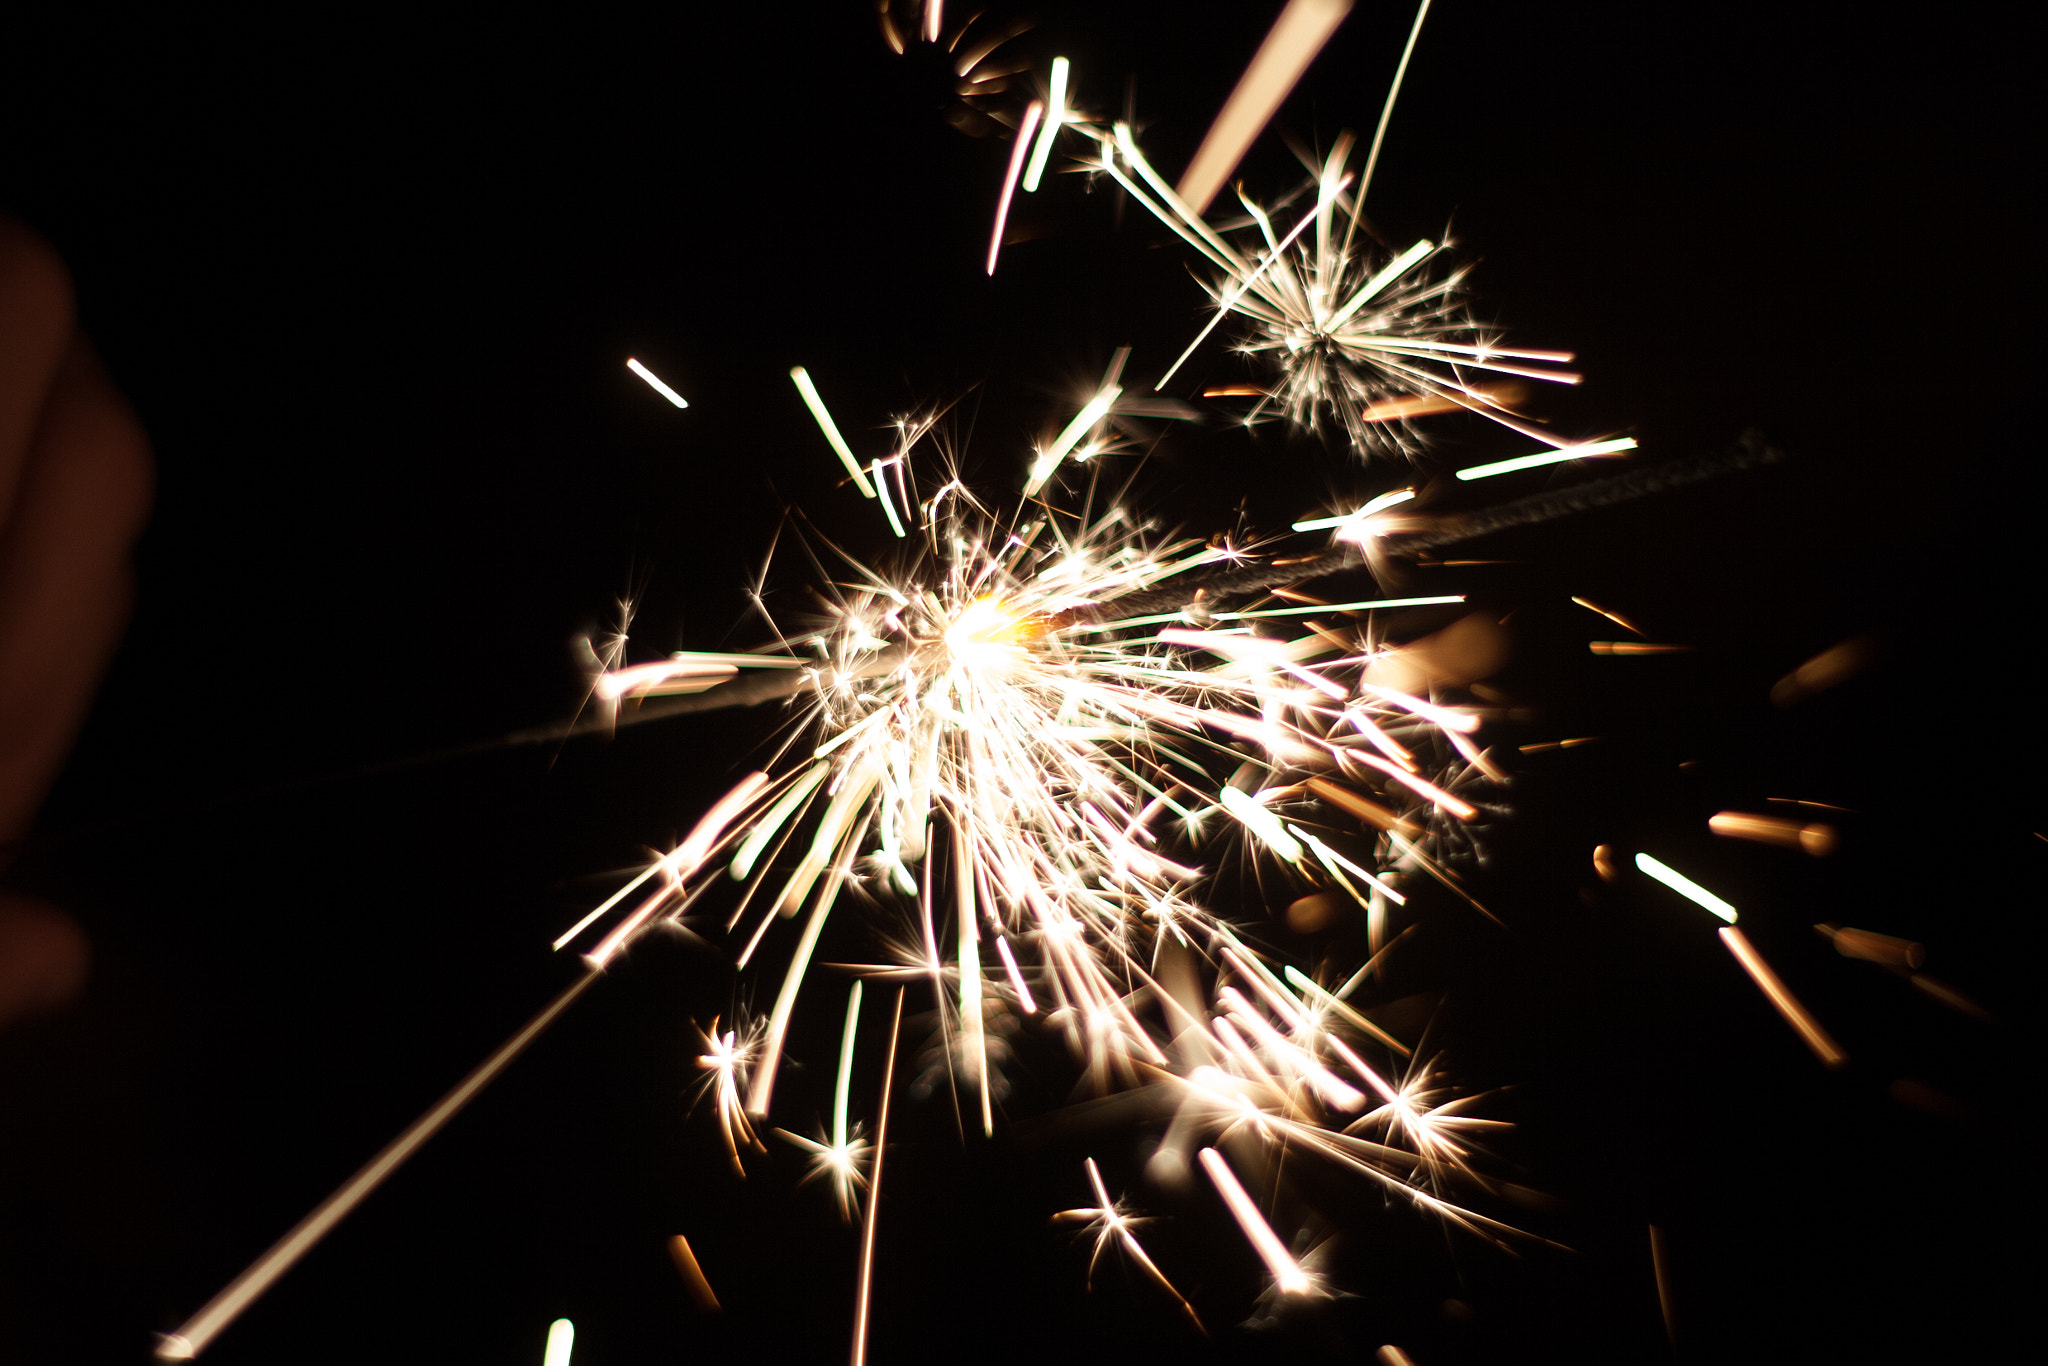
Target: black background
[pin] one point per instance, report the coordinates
(370, 280)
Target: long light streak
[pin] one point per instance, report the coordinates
(1112, 1225)
(192, 1336)
(1379, 136)
(1286, 1272)
(1616, 446)
(1084, 421)
(864, 1295)
(1685, 887)
(1373, 341)
(809, 391)
(1055, 115)
(1018, 152)
(1293, 42)
(1817, 1038)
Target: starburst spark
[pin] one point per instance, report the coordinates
(984, 739)
(1354, 331)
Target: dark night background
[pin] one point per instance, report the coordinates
(370, 280)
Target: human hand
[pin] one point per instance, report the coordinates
(75, 487)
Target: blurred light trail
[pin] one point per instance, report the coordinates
(1685, 887)
(1295, 39)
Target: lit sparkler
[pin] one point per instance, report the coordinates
(1372, 337)
(1019, 731)
(1355, 332)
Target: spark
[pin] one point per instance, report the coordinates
(1813, 837)
(1354, 334)
(1816, 1037)
(1295, 39)
(864, 1296)
(726, 1058)
(694, 1280)
(809, 391)
(1112, 1225)
(988, 737)
(1583, 451)
(1286, 1272)
(1055, 115)
(1619, 620)
(654, 381)
(192, 1337)
(1685, 887)
(841, 1158)
(1836, 664)
(1084, 422)
(561, 1339)
(1032, 112)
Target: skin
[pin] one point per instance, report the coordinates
(75, 486)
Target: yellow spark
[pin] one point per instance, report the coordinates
(1619, 620)
(694, 1280)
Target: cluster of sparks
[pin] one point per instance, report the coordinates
(1002, 751)
(986, 743)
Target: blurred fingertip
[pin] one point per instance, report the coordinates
(45, 958)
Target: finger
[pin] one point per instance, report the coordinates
(44, 958)
(65, 580)
(36, 323)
